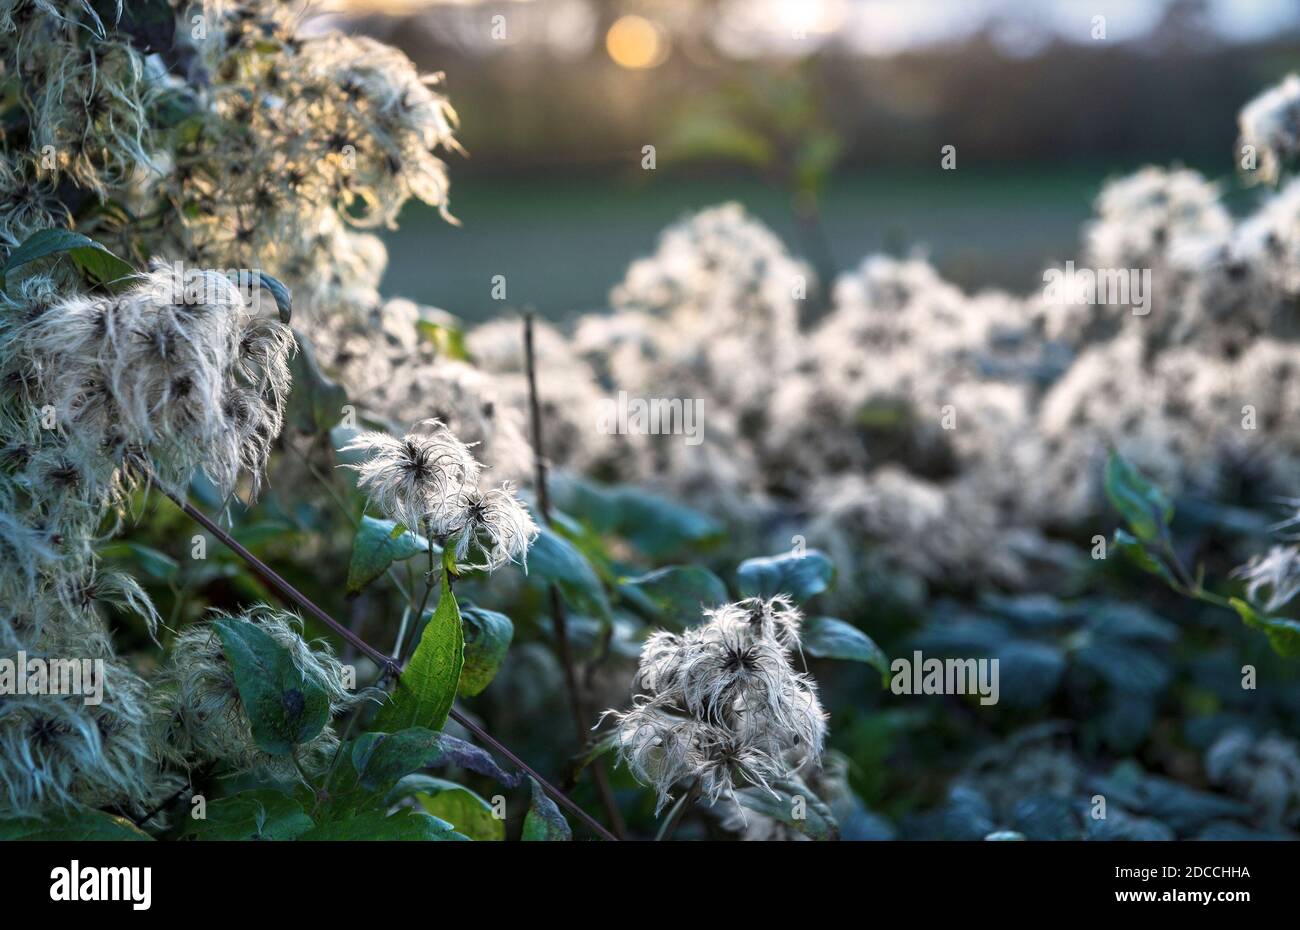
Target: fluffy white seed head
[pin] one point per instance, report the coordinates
(418, 480)
(1271, 124)
(721, 705)
(1272, 579)
(493, 522)
(199, 716)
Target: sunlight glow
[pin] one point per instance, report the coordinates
(637, 43)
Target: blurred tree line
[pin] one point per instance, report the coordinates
(548, 97)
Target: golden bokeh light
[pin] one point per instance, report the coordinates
(637, 43)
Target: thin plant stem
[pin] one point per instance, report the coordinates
(271, 577)
(401, 631)
(291, 594)
(430, 578)
(677, 812)
(338, 751)
(303, 773)
(559, 618)
(1188, 586)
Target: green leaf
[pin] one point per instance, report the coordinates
(660, 527)
(675, 595)
(253, 535)
(406, 824)
(1124, 622)
(157, 565)
(595, 750)
(794, 805)
(377, 545)
(800, 576)
(655, 525)
(284, 706)
(260, 814)
(91, 257)
(1283, 633)
(883, 414)
(382, 759)
(283, 296)
(410, 785)
(718, 136)
(1136, 550)
(101, 265)
(427, 688)
(1146, 509)
(472, 758)
(1030, 672)
(554, 559)
(829, 638)
(544, 821)
(462, 808)
(78, 827)
(449, 340)
(1129, 669)
(389, 765)
(487, 640)
(316, 403)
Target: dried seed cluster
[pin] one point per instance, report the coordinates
(720, 705)
(198, 716)
(245, 147)
(429, 481)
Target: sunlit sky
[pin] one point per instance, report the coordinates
(882, 27)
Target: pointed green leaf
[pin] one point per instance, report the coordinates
(460, 807)
(1133, 547)
(554, 559)
(77, 827)
(382, 759)
(1145, 508)
(315, 403)
(799, 575)
(829, 638)
(657, 526)
(544, 821)
(410, 825)
(260, 814)
(1282, 632)
(487, 640)
(284, 706)
(792, 803)
(377, 545)
(90, 256)
(427, 688)
(157, 565)
(675, 595)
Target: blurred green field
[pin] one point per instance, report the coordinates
(563, 242)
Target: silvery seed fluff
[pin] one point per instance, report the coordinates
(721, 705)
(416, 480)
